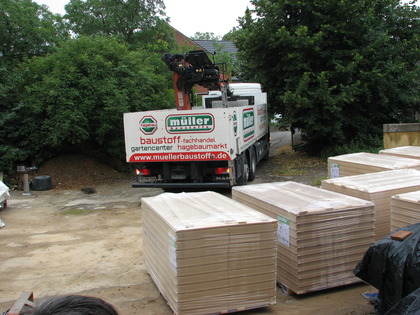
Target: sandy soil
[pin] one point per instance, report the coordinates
(63, 241)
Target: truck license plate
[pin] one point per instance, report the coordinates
(150, 179)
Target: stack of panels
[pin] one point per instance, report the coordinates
(321, 235)
(378, 188)
(405, 209)
(363, 163)
(411, 152)
(209, 254)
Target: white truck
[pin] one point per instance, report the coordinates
(4, 195)
(216, 145)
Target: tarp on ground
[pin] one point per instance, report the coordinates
(393, 267)
(410, 305)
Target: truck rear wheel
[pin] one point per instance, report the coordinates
(252, 164)
(243, 165)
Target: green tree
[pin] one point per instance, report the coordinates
(230, 64)
(205, 36)
(338, 70)
(78, 95)
(28, 29)
(137, 22)
(59, 94)
(231, 35)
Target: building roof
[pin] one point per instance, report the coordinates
(182, 40)
(213, 45)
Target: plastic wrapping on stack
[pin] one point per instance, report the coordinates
(209, 254)
(322, 235)
(363, 163)
(379, 188)
(411, 152)
(405, 209)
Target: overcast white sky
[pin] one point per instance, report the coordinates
(190, 16)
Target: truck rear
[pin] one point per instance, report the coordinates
(216, 145)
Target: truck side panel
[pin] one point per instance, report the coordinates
(262, 118)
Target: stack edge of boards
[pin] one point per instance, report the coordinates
(379, 188)
(209, 254)
(322, 235)
(363, 163)
(411, 152)
(405, 209)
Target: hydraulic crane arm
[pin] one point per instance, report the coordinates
(192, 68)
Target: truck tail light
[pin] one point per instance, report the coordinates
(144, 172)
(222, 170)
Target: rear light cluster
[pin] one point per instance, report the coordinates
(222, 171)
(144, 172)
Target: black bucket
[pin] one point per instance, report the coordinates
(42, 183)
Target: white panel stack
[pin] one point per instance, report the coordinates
(411, 152)
(322, 235)
(209, 254)
(405, 209)
(378, 188)
(362, 163)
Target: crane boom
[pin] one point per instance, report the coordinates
(191, 68)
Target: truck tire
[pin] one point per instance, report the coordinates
(252, 164)
(243, 165)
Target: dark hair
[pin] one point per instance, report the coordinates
(74, 305)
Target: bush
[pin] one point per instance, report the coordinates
(369, 144)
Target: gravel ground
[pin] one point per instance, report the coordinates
(63, 241)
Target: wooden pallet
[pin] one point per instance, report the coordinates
(23, 305)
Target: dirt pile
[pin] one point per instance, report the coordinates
(78, 171)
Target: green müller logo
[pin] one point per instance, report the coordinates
(195, 123)
(248, 123)
(148, 125)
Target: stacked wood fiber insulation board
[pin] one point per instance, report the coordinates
(362, 163)
(379, 188)
(405, 209)
(411, 152)
(322, 235)
(209, 254)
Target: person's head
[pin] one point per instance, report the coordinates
(74, 305)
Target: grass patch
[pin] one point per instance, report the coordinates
(288, 162)
(74, 211)
(80, 211)
(290, 172)
(318, 181)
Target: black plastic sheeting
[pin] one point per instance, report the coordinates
(393, 267)
(410, 305)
